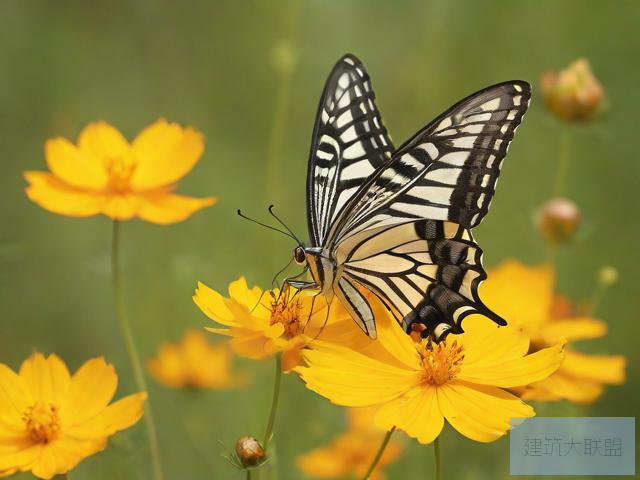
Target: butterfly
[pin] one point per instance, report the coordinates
(396, 222)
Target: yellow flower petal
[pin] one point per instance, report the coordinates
(164, 208)
(518, 371)
(15, 398)
(241, 293)
(122, 206)
(486, 343)
(165, 152)
(291, 359)
(214, 306)
(22, 459)
(394, 339)
(92, 388)
(416, 413)
(58, 197)
(350, 453)
(478, 412)
(324, 463)
(119, 415)
(351, 379)
(195, 363)
(511, 286)
(574, 329)
(562, 387)
(78, 168)
(251, 344)
(68, 452)
(599, 368)
(47, 378)
(102, 141)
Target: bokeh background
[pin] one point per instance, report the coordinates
(248, 75)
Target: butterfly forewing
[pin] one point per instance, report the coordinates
(448, 170)
(349, 143)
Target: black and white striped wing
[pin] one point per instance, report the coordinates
(349, 143)
(448, 170)
(426, 272)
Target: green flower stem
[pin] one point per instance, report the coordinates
(436, 456)
(134, 358)
(274, 402)
(562, 168)
(248, 474)
(378, 456)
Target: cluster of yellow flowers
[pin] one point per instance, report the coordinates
(50, 420)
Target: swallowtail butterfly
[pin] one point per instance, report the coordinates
(397, 221)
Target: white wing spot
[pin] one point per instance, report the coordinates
(491, 105)
(463, 142)
(455, 158)
(354, 151)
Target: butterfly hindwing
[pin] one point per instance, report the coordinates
(357, 305)
(349, 143)
(426, 272)
(449, 169)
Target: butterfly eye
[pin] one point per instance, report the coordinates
(298, 255)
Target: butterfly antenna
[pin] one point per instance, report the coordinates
(283, 224)
(258, 302)
(289, 234)
(274, 282)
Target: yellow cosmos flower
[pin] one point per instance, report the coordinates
(105, 174)
(263, 323)
(352, 452)
(193, 362)
(415, 384)
(50, 420)
(525, 296)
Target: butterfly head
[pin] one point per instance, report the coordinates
(299, 256)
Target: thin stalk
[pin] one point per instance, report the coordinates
(376, 459)
(248, 474)
(436, 455)
(134, 358)
(284, 62)
(274, 401)
(562, 169)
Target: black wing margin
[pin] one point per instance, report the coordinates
(349, 143)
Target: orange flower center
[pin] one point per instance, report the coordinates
(288, 314)
(120, 170)
(42, 422)
(441, 361)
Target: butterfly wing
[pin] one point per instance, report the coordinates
(405, 235)
(426, 272)
(349, 143)
(447, 171)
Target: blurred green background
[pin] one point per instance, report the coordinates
(218, 66)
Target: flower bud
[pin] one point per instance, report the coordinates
(608, 276)
(574, 93)
(250, 451)
(558, 219)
